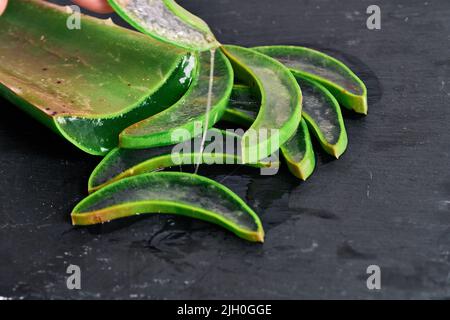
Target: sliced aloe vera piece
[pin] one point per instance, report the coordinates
(280, 102)
(297, 151)
(190, 111)
(167, 21)
(171, 192)
(88, 84)
(323, 115)
(221, 147)
(348, 89)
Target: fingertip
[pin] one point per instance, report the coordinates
(98, 6)
(3, 4)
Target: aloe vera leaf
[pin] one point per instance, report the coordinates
(348, 89)
(167, 21)
(189, 112)
(297, 151)
(173, 193)
(122, 163)
(323, 115)
(88, 84)
(280, 101)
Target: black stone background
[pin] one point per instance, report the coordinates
(385, 202)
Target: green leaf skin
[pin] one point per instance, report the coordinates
(297, 151)
(307, 63)
(88, 84)
(172, 193)
(167, 21)
(123, 163)
(189, 111)
(280, 101)
(323, 115)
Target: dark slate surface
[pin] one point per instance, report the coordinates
(385, 202)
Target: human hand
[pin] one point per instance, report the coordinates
(99, 6)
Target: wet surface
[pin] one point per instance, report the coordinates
(385, 202)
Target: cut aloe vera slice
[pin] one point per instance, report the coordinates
(348, 89)
(323, 115)
(221, 148)
(88, 84)
(171, 192)
(280, 96)
(297, 151)
(167, 21)
(189, 113)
